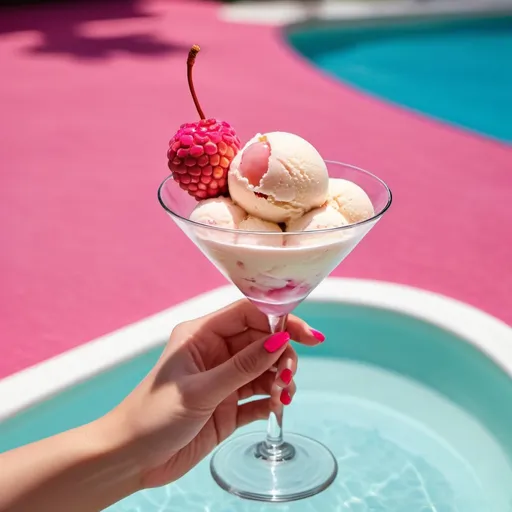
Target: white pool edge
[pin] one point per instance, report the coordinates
(39, 382)
(285, 12)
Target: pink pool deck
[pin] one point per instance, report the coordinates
(90, 95)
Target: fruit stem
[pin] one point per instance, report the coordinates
(190, 64)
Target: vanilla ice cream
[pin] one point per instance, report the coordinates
(350, 200)
(220, 212)
(278, 177)
(277, 278)
(254, 224)
(324, 217)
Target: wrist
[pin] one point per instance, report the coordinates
(112, 451)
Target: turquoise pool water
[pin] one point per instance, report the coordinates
(457, 71)
(416, 419)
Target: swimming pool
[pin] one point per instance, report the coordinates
(402, 392)
(455, 70)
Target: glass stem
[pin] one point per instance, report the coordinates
(273, 448)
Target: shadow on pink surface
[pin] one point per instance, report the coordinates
(62, 29)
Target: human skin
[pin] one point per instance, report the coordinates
(186, 405)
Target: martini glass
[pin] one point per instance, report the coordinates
(276, 272)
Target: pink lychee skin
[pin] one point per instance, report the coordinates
(199, 157)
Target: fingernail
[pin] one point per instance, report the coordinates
(286, 376)
(318, 335)
(276, 341)
(285, 397)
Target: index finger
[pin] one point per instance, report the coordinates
(297, 328)
(235, 319)
(241, 323)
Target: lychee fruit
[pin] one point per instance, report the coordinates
(200, 153)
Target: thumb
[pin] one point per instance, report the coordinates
(245, 366)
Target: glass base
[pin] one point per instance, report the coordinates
(241, 467)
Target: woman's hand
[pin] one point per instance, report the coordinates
(189, 402)
(185, 406)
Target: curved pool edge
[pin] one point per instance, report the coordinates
(33, 385)
(297, 12)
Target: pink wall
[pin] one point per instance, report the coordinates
(89, 101)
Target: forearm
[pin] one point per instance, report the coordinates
(84, 470)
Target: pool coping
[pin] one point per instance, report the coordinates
(300, 12)
(38, 383)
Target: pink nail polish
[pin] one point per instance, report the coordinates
(286, 376)
(285, 397)
(276, 341)
(318, 335)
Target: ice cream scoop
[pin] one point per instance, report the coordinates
(220, 212)
(324, 217)
(350, 200)
(254, 224)
(278, 177)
